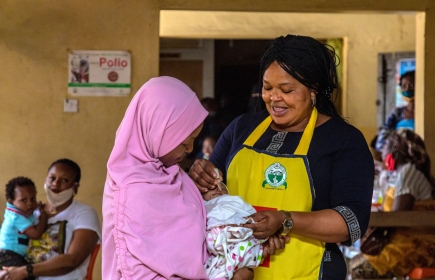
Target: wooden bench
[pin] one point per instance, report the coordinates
(402, 219)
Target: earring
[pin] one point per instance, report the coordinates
(313, 101)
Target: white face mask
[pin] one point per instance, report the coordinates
(58, 199)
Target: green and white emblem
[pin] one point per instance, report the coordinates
(275, 176)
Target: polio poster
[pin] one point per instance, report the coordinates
(99, 73)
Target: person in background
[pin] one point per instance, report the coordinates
(229, 108)
(377, 156)
(255, 102)
(298, 156)
(412, 188)
(81, 233)
(208, 145)
(402, 117)
(19, 222)
(154, 219)
(213, 125)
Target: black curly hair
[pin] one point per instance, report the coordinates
(17, 182)
(74, 166)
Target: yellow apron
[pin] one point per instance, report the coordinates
(282, 182)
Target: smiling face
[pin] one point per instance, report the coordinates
(177, 154)
(25, 199)
(287, 100)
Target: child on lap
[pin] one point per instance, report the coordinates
(18, 223)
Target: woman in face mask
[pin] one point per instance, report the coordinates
(401, 117)
(70, 221)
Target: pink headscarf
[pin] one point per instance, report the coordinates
(153, 216)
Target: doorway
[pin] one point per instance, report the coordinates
(391, 66)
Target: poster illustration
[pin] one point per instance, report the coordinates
(99, 73)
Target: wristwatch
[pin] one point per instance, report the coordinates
(29, 269)
(287, 224)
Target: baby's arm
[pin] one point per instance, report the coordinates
(36, 231)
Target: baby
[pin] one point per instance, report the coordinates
(19, 222)
(230, 245)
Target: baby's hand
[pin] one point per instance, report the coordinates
(273, 244)
(40, 206)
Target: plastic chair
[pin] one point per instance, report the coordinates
(421, 273)
(92, 262)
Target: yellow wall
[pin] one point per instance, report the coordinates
(34, 131)
(425, 100)
(35, 36)
(364, 37)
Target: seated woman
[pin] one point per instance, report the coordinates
(411, 188)
(78, 222)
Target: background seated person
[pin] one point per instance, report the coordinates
(411, 188)
(82, 228)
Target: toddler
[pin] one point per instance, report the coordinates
(231, 246)
(207, 146)
(19, 222)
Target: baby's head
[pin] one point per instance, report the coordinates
(214, 193)
(21, 192)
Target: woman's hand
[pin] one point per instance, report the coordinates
(13, 273)
(203, 174)
(244, 273)
(266, 223)
(40, 206)
(82, 244)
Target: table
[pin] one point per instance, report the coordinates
(402, 219)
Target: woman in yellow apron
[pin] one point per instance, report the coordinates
(298, 157)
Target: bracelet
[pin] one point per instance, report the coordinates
(29, 269)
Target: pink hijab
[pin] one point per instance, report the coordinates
(153, 216)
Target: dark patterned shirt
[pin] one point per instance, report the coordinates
(340, 163)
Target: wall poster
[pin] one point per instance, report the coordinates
(99, 73)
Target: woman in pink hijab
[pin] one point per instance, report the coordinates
(154, 218)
